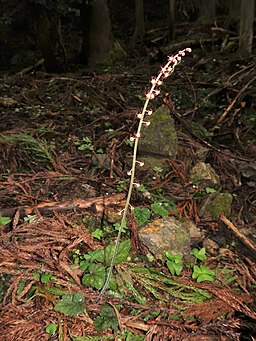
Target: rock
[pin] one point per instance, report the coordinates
(196, 235)
(204, 175)
(150, 162)
(214, 204)
(211, 246)
(201, 153)
(8, 102)
(159, 139)
(248, 173)
(167, 234)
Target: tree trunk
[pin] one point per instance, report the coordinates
(233, 13)
(208, 11)
(85, 15)
(100, 33)
(171, 19)
(246, 28)
(139, 23)
(50, 39)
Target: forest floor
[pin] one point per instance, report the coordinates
(64, 145)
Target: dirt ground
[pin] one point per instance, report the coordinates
(63, 151)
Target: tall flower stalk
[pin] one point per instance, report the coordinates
(154, 91)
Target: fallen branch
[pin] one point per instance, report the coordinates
(223, 116)
(246, 241)
(45, 207)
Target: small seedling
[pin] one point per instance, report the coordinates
(30, 218)
(46, 277)
(142, 215)
(84, 144)
(94, 265)
(159, 209)
(51, 328)
(71, 304)
(158, 170)
(209, 190)
(199, 254)
(117, 227)
(202, 273)
(106, 319)
(174, 263)
(98, 233)
(4, 220)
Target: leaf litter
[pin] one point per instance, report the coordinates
(46, 174)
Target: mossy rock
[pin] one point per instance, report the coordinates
(215, 204)
(167, 234)
(160, 138)
(204, 175)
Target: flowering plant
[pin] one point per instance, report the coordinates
(154, 91)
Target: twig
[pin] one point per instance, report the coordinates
(223, 116)
(238, 234)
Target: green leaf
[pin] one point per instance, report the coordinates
(158, 208)
(142, 215)
(202, 273)
(96, 277)
(56, 291)
(175, 268)
(71, 304)
(199, 254)
(122, 253)
(176, 258)
(107, 319)
(30, 218)
(210, 190)
(47, 277)
(90, 257)
(4, 220)
(207, 271)
(98, 233)
(51, 328)
(117, 226)
(196, 272)
(205, 277)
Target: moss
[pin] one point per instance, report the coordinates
(215, 204)
(160, 137)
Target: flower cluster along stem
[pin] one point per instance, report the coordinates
(154, 91)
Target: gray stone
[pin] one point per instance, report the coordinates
(204, 175)
(248, 172)
(159, 138)
(167, 234)
(214, 204)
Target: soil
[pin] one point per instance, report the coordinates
(64, 147)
